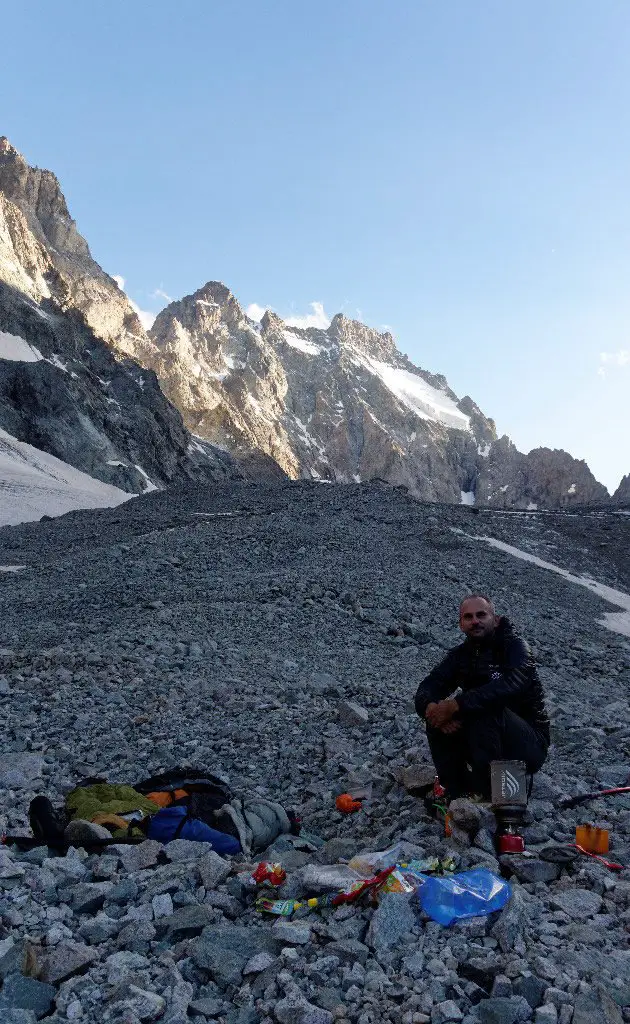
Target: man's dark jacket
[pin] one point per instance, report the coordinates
(493, 673)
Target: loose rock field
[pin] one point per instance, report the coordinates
(277, 635)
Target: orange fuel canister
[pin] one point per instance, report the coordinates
(592, 839)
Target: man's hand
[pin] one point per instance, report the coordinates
(438, 715)
(451, 727)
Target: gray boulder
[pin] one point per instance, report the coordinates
(393, 918)
(19, 993)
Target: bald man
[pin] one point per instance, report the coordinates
(484, 702)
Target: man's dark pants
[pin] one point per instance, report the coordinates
(502, 735)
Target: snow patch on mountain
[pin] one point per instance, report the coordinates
(416, 394)
(150, 486)
(618, 622)
(16, 348)
(301, 344)
(34, 483)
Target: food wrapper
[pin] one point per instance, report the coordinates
(397, 881)
(369, 863)
(268, 873)
(354, 892)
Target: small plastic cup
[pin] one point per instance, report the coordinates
(591, 838)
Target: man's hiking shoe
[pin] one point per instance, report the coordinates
(85, 833)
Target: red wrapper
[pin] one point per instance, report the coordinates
(273, 874)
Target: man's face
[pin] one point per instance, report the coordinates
(476, 619)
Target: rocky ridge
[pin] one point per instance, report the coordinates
(43, 255)
(339, 404)
(343, 404)
(63, 391)
(67, 386)
(307, 614)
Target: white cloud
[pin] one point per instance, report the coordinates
(159, 293)
(255, 312)
(619, 358)
(317, 318)
(146, 318)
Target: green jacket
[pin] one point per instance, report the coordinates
(86, 802)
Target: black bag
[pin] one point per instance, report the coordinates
(205, 794)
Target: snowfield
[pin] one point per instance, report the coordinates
(410, 389)
(302, 344)
(15, 348)
(34, 483)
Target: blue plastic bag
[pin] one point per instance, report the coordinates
(165, 823)
(467, 894)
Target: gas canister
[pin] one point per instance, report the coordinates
(508, 781)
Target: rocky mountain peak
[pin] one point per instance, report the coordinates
(7, 149)
(271, 321)
(483, 427)
(215, 291)
(342, 403)
(198, 314)
(39, 237)
(622, 494)
(38, 194)
(370, 342)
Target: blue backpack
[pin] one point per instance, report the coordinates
(195, 797)
(175, 823)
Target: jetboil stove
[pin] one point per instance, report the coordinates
(508, 780)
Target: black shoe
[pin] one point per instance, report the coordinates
(47, 824)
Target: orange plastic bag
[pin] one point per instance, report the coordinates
(347, 804)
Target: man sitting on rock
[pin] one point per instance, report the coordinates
(484, 702)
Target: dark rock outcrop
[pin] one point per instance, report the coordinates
(102, 415)
(622, 494)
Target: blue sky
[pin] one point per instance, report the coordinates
(456, 170)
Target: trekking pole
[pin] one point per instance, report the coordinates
(573, 801)
(31, 843)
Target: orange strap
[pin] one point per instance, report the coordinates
(166, 798)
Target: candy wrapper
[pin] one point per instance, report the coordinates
(354, 892)
(397, 881)
(268, 873)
